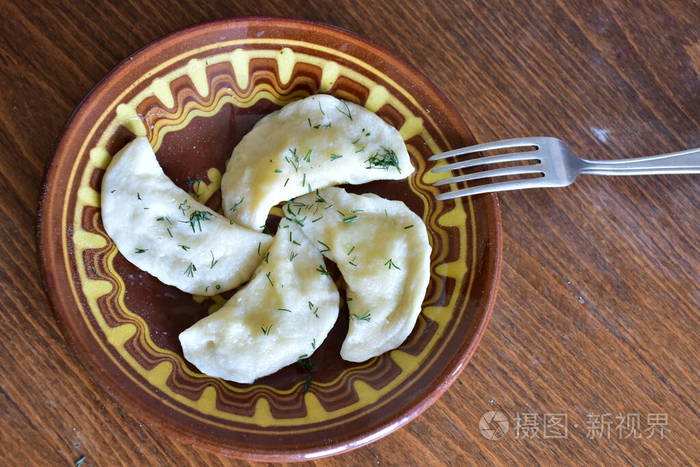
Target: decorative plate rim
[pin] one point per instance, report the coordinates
(106, 382)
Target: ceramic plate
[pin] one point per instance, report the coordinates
(194, 94)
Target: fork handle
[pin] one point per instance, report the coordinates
(682, 162)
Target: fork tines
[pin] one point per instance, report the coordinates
(481, 161)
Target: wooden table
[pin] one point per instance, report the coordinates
(596, 324)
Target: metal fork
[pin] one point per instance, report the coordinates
(556, 164)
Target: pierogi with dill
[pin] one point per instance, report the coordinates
(162, 230)
(309, 144)
(283, 314)
(382, 250)
(291, 303)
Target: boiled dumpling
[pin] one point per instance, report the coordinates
(309, 144)
(381, 248)
(161, 229)
(284, 313)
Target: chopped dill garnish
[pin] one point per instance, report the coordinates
(366, 316)
(321, 108)
(284, 309)
(352, 264)
(268, 278)
(328, 207)
(307, 384)
(303, 181)
(169, 232)
(291, 211)
(408, 227)
(357, 210)
(293, 255)
(390, 264)
(335, 156)
(350, 219)
(298, 221)
(318, 125)
(307, 156)
(266, 330)
(278, 171)
(383, 160)
(294, 160)
(314, 309)
(191, 269)
(349, 299)
(236, 205)
(113, 191)
(356, 141)
(313, 343)
(323, 270)
(164, 218)
(184, 247)
(345, 112)
(138, 195)
(360, 150)
(296, 243)
(317, 219)
(213, 261)
(140, 250)
(183, 207)
(196, 218)
(217, 287)
(266, 258)
(305, 362)
(319, 198)
(286, 181)
(351, 250)
(289, 215)
(259, 244)
(326, 247)
(342, 214)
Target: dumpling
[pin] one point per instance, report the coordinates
(161, 229)
(309, 144)
(381, 248)
(282, 314)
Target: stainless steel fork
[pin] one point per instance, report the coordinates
(555, 162)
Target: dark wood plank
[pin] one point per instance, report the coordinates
(598, 310)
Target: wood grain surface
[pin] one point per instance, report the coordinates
(597, 316)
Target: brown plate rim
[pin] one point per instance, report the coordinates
(44, 239)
